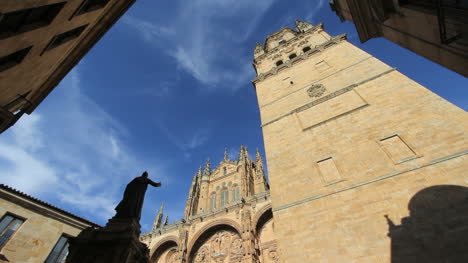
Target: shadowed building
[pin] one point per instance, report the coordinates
(41, 41)
(434, 29)
(350, 140)
(227, 218)
(34, 231)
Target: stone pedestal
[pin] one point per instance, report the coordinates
(117, 242)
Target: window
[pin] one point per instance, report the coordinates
(293, 55)
(306, 49)
(282, 41)
(90, 5)
(28, 19)
(60, 251)
(224, 197)
(8, 227)
(64, 37)
(224, 171)
(279, 63)
(13, 59)
(235, 193)
(213, 202)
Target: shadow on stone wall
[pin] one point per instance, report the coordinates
(436, 230)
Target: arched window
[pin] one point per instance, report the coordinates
(235, 193)
(224, 171)
(213, 201)
(293, 55)
(224, 197)
(306, 49)
(279, 63)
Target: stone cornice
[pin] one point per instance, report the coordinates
(289, 63)
(288, 42)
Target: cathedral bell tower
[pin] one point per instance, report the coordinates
(349, 141)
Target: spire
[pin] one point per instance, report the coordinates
(207, 170)
(258, 157)
(303, 26)
(225, 154)
(243, 154)
(166, 221)
(158, 219)
(199, 172)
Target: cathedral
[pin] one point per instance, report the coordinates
(227, 217)
(365, 165)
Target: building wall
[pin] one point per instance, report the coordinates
(240, 231)
(37, 236)
(41, 70)
(413, 26)
(351, 141)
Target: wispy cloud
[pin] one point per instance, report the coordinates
(73, 153)
(202, 44)
(187, 144)
(316, 8)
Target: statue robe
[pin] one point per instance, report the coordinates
(134, 195)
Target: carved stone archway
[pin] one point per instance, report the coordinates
(162, 247)
(215, 242)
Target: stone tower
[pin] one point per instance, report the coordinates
(365, 164)
(227, 217)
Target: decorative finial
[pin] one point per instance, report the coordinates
(303, 26)
(199, 172)
(166, 221)
(158, 219)
(207, 170)
(225, 154)
(258, 48)
(258, 157)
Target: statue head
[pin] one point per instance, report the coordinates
(145, 174)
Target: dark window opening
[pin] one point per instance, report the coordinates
(90, 5)
(13, 59)
(282, 41)
(293, 55)
(8, 227)
(28, 19)
(59, 252)
(64, 37)
(279, 63)
(306, 49)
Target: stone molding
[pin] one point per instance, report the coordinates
(298, 36)
(259, 213)
(369, 181)
(327, 97)
(162, 241)
(289, 63)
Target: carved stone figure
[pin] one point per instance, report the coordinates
(316, 90)
(236, 248)
(202, 255)
(134, 195)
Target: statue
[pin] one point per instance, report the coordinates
(134, 195)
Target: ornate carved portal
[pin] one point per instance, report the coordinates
(221, 247)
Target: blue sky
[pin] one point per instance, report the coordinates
(167, 87)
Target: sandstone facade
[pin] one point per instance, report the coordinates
(227, 218)
(41, 41)
(42, 227)
(353, 147)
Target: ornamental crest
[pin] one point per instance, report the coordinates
(316, 90)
